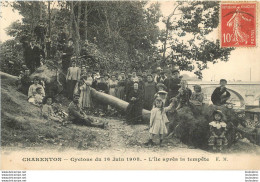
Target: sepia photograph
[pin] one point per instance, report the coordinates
(130, 85)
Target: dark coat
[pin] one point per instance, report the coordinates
(66, 57)
(128, 88)
(218, 97)
(134, 109)
(36, 55)
(173, 86)
(102, 87)
(149, 91)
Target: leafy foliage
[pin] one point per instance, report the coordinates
(193, 129)
(190, 49)
(126, 34)
(11, 57)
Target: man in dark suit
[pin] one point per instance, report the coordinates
(220, 94)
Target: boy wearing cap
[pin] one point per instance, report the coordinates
(220, 94)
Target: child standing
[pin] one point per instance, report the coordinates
(158, 121)
(162, 94)
(217, 131)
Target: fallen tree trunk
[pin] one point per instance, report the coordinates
(6, 75)
(116, 102)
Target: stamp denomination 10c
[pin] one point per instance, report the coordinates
(238, 24)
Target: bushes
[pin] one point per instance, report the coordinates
(193, 129)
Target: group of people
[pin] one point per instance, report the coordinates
(185, 97)
(158, 91)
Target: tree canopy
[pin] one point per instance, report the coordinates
(126, 34)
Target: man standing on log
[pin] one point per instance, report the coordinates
(220, 94)
(77, 116)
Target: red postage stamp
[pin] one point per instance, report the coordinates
(238, 24)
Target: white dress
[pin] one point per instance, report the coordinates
(158, 120)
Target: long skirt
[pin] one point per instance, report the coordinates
(121, 92)
(70, 88)
(87, 100)
(134, 113)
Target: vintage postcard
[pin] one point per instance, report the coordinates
(138, 85)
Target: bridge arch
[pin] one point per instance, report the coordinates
(240, 97)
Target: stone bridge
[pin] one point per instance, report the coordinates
(242, 93)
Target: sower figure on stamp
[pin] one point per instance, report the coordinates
(236, 22)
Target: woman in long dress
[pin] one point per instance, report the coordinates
(83, 89)
(134, 109)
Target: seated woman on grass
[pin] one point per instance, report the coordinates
(34, 86)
